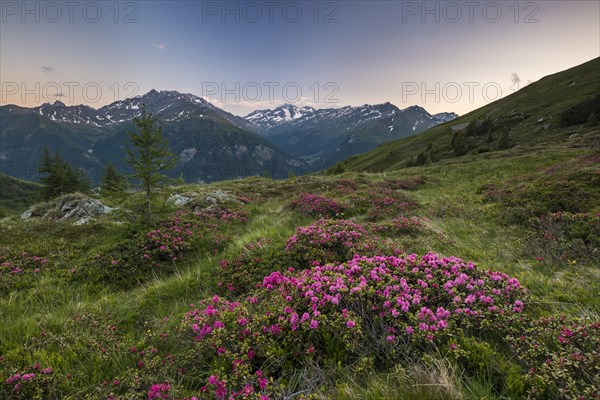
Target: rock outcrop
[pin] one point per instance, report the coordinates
(72, 207)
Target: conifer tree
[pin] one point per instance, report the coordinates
(150, 155)
(59, 177)
(113, 183)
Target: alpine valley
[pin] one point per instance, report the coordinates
(210, 143)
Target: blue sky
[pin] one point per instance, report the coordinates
(444, 56)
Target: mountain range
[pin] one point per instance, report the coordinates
(211, 143)
(321, 137)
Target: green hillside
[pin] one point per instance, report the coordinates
(115, 307)
(547, 112)
(16, 195)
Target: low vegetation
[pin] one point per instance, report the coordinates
(462, 281)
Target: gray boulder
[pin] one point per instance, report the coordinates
(70, 207)
(219, 197)
(179, 200)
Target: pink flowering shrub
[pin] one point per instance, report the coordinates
(159, 391)
(157, 251)
(241, 274)
(325, 241)
(408, 183)
(18, 271)
(329, 241)
(222, 334)
(381, 204)
(397, 226)
(36, 382)
(407, 297)
(386, 308)
(562, 236)
(561, 358)
(314, 205)
(170, 240)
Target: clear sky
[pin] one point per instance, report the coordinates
(241, 56)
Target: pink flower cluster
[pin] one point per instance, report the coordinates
(19, 379)
(328, 233)
(223, 214)
(391, 299)
(20, 264)
(410, 294)
(170, 240)
(159, 391)
(225, 330)
(314, 205)
(329, 241)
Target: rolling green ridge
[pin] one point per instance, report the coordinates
(531, 119)
(16, 195)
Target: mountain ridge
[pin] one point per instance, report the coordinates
(93, 137)
(527, 120)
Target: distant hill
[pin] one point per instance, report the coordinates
(563, 108)
(16, 195)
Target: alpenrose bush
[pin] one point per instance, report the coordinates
(408, 183)
(383, 204)
(561, 357)
(36, 382)
(329, 241)
(17, 271)
(397, 226)
(563, 236)
(315, 205)
(386, 309)
(325, 241)
(156, 251)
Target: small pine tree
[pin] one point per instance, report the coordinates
(60, 177)
(504, 143)
(421, 159)
(75, 179)
(337, 169)
(113, 183)
(460, 144)
(150, 156)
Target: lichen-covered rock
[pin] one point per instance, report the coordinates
(179, 200)
(70, 207)
(219, 197)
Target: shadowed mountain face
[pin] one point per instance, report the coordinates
(322, 137)
(211, 144)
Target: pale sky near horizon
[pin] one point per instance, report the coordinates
(442, 55)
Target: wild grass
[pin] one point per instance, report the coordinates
(457, 221)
